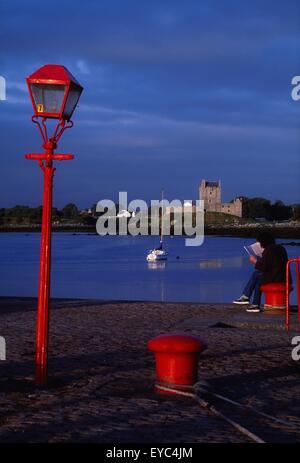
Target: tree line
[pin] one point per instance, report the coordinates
(263, 208)
(25, 215)
(253, 208)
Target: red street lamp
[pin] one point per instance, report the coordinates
(54, 94)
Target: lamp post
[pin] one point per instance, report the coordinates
(54, 94)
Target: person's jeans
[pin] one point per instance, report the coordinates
(253, 285)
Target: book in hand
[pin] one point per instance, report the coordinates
(254, 249)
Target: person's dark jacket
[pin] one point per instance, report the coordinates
(273, 264)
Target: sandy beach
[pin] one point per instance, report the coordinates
(101, 375)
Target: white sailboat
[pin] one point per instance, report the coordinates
(158, 253)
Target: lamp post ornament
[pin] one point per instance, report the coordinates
(54, 94)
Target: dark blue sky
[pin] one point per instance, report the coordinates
(174, 92)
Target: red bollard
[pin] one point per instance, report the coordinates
(275, 295)
(176, 358)
(295, 261)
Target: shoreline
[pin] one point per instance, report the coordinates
(34, 299)
(284, 232)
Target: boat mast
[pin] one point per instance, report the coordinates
(162, 211)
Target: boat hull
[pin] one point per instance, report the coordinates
(155, 255)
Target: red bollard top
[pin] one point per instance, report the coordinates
(176, 342)
(273, 287)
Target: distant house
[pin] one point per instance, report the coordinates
(124, 213)
(187, 204)
(85, 212)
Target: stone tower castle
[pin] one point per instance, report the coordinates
(210, 192)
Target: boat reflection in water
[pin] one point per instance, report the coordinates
(160, 279)
(157, 265)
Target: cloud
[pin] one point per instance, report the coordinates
(83, 67)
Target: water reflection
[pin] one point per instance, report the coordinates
(160, 281)
(214, 263)
(114, 267)
(233, 262)
(156, 265)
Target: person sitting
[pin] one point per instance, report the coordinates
(270, 268)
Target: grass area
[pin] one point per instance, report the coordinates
(221, 218)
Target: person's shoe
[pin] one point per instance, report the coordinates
(242, 300)
(253, 308)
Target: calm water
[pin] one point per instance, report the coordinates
(90, 266)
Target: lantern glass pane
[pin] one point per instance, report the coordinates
(71, 102)
(48, 98)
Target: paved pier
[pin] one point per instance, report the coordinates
(101, 374)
